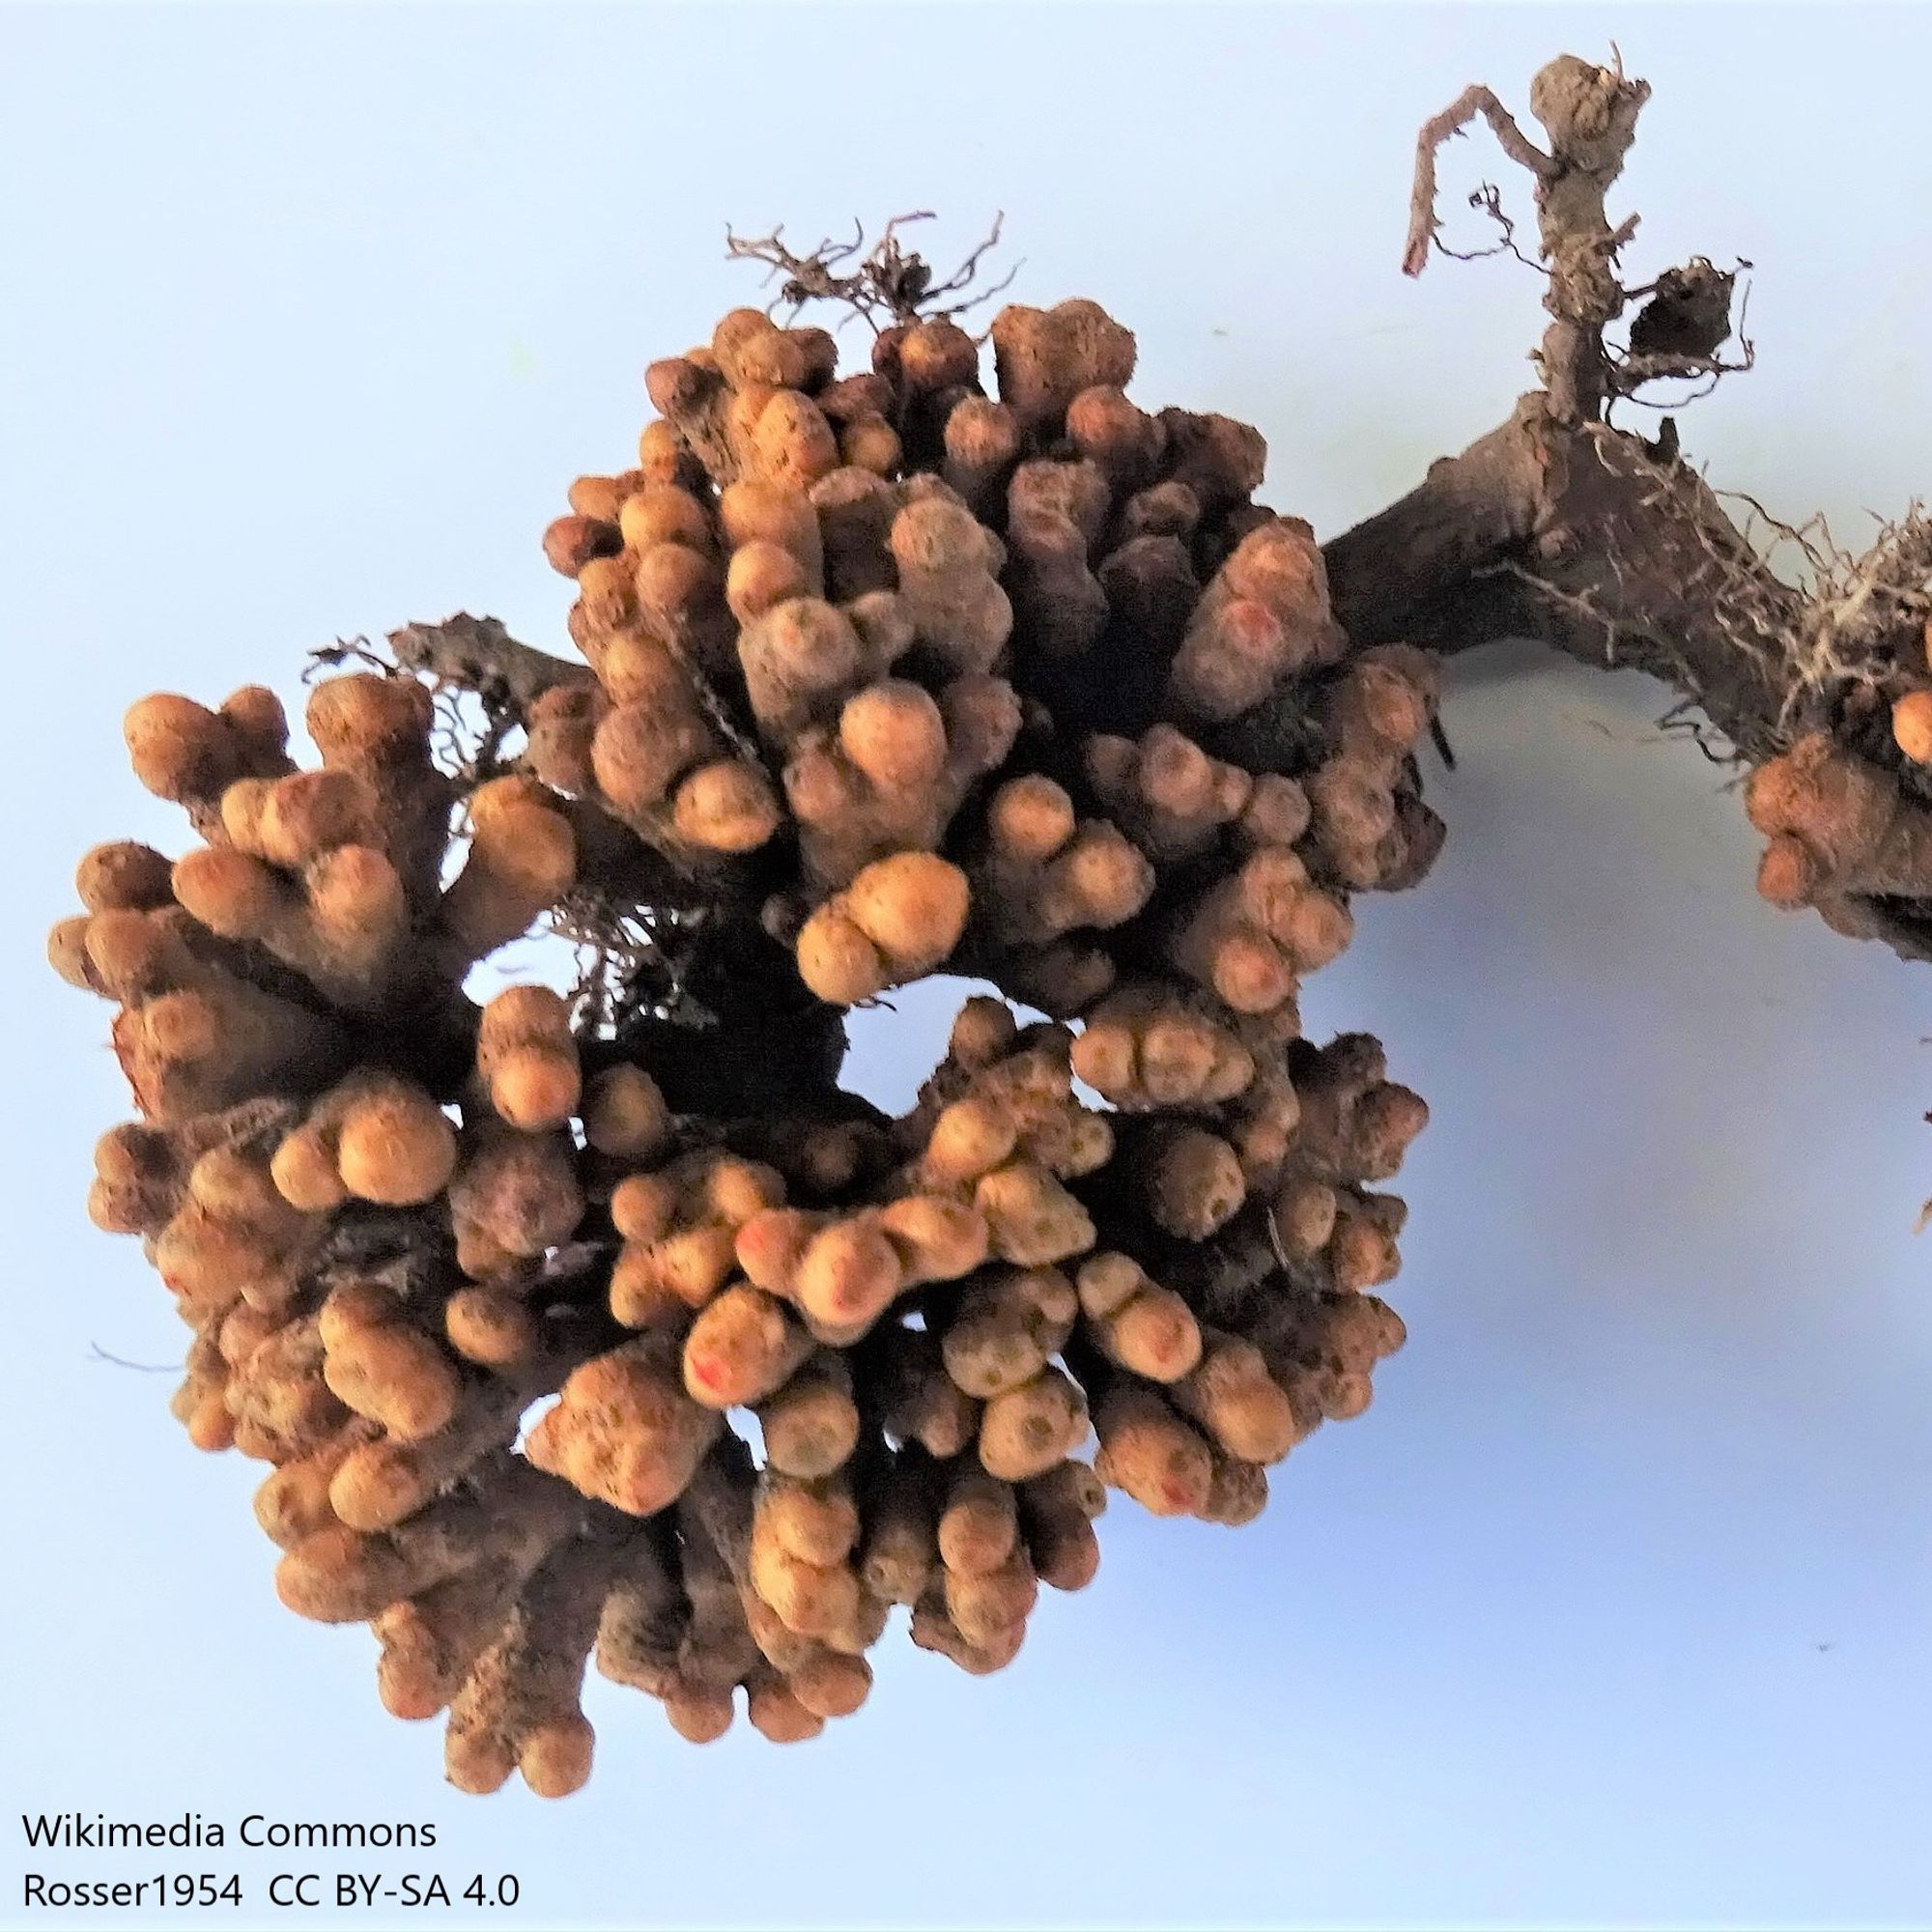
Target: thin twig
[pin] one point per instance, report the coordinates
(97, 1353)
(891, 283)
(1489, 198)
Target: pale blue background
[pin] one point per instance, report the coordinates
(1618, 1606)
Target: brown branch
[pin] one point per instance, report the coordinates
(1590, 542)
(478, 654)
(1556, 525)
(1423, 226)
(1559, 527)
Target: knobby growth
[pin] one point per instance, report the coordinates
(883, 674)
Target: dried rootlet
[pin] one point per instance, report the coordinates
(961, 663)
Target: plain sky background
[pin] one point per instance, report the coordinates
(1617, 1606)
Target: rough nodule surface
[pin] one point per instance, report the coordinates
(928, 668)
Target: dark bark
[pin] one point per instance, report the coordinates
(1559, 527)
(1588, 539)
